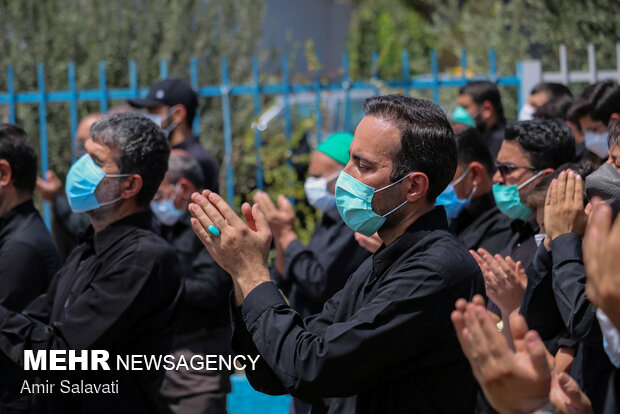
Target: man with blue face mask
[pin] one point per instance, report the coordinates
(309, 275)
(173, 104)
(205, 325)
(468, 200)
(120, 289)
(385, 342)
(531, 150)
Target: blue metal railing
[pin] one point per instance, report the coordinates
(434, 81)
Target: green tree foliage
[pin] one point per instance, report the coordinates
(388, 27)
(116, 31)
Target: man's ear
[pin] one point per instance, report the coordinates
(185, 188)
(487, 110)
(5, 173)
(615, 116)
(478, 172)
(179, 115)
(418, 186)
(131, 186)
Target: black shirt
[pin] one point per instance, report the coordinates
(28, 257)
(384, 343)
(120, 291)
(206, 161)
(207, 286)
(315, 272)
(482, 225)
(67, 225)
(522, 246)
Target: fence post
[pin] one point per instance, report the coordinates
(43, 137)
(163, 69)
(406, 76)
(435, 73)
(258, 139)
(193, 76)
(492, 64)
(103, 88)
(317, 107)
(11, 87)
(464, 64)
(592, 63)
(564, 64)
(228, 151)
(73, 114)
(529, 73)
(346, 85)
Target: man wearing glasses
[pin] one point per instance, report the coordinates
(530, 150)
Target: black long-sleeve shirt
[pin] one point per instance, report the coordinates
(384, 343)
(482, 225)
(591, 367)
(120, 290)
(313, 273)
(28, 262)
(207, 286)
(28, 257)
(67, 225)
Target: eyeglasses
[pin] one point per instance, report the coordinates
(506, 169)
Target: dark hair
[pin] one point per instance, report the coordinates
(548, 143)
(471, 147)
(587, 100)
(607, 105)
(554, 90)
(614, 133)
(185, 166)
(538, 195)
(16, 149)
(142, 146)
(555, 108)
(427, 140)
(481, 91)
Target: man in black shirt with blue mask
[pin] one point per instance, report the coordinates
(384, 343)
(120, 289)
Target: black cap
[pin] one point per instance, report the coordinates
(170, 92)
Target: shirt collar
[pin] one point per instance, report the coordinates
(386, 256)
(26, 207)
(110, 236)
(187, 142)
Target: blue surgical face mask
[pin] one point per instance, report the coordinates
(317, 193)
(451, 202)
(82, 181)
(165, 211)
(354, 202)
(508, 199)
(597, 143)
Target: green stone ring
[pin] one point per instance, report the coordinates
(213, 230)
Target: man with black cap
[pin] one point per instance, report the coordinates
(172, 104)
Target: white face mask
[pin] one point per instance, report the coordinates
(526, 113)
(597, 143)
(317, 193)
(611, 338)
(539, 238)
(160, 120)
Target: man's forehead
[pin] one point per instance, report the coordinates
(100, 150)
(375, 137)
(512, 152)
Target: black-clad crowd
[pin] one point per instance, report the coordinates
(461, 263)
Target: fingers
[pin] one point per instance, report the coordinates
(578, 400)
(578, 196)
(285, 205)
(223, 209)
(202, 234)
(518, 326)
(246, 210)
(538, 354)
(497, 344)
(211, 213)
(570, 188)
(260, 222)
(264, 202)
(597, 230)
(561, 188)
(479, 300)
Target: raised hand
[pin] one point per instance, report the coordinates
(564, 209)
